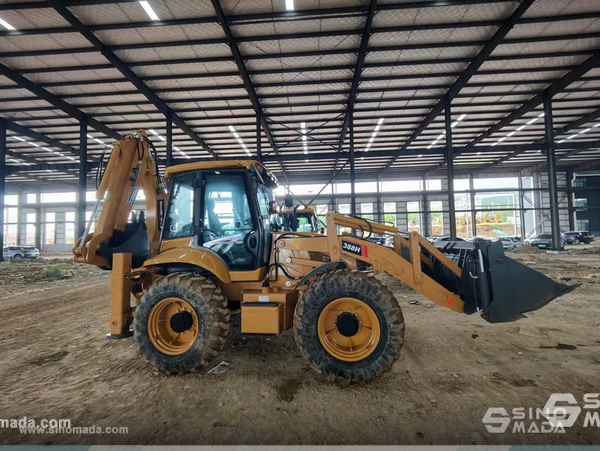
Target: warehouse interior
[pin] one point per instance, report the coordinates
(345, 99)
(451, 118)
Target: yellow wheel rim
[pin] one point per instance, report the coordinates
(349, 329)
(173, 326)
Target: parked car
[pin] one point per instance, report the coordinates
(433, 239)
(579, 237)
(385, 240)
(517, 240)
(18, 252)
(479, 239)
(568, 239)
(507, 243)
(543, 241)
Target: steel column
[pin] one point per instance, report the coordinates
(81, 188)
(552, 183)
(450, 167)
(258, 139)
(425, 231)
(352, 171)
(2, 177)
(521, 206)
(38, 221)
(358, 69)
(570, 200)
(473, 210)
(169, 119)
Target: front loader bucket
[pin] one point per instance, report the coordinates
(516, 288)
(498, 287)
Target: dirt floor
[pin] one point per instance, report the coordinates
(56, 363)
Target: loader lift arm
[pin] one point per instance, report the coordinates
(461, 276)
(131, 166)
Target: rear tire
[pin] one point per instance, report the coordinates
(379, 309)
(18, 257)
(206, 323)
(576, 241)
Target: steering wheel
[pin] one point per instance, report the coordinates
(211, 235)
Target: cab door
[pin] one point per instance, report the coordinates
(229, 225)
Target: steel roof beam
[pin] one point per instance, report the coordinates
(592, 117)
(39, 137)
(574, 75)
(58, 5)
(243, 72)
(164, 44)
(311, 93)
(358, 68)
(286, 15)
(528, 81)
(332, 155)
(468, 73)
(172, 102)
(55, 101)
(211, 59)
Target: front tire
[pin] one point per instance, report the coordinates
(18, 257)
(182, 322)
(349, 326)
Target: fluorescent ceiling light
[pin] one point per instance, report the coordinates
(149, 10)
(6, 25)
(99, 141)
(461, 117)
(155, 133)
(239, 139)
(522, 127)
(374, 134)
(34, 144)
(435, 141)
(161, 138)
(18, 138)
(303, 128)
(182, 152)
(289, 5)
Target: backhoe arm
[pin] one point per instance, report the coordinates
(131, 167)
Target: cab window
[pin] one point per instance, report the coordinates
(179, 221)
(228, 220)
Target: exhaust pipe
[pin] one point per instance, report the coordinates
(498, 287)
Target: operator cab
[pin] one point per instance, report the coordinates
(225, 207)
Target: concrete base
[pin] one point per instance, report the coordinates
(557, 252)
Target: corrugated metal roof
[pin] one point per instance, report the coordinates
(302, 68)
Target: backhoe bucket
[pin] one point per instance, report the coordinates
(498, 287)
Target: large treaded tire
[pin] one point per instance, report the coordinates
(211, 308)
(359, 285)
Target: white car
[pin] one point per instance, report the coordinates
(18, 252)
(507, 243)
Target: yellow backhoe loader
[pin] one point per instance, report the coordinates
(214, 244)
